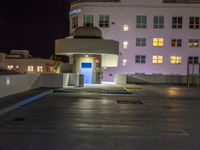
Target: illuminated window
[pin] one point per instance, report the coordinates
(176, 59)
(193, 43)
(193, 59)
(157, 59)
(140, 59)
(177, 22)
(30, 68)
(88, 21)
(126, 28)
(125, 62)
(74, 22)
(176, 43)
(158, 22)
(141, 42)
(52, 69)
(194, 22)
(141, 22)
(158, 42)
(10, 67)
(104, 21)
(125, 44)
(39, 68)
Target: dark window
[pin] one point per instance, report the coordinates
(88, 21)
(140, 59)
(141, 42)
(176, 43)
(177, 22)
(74, 22)
(158, 22)
(104, 21)
(141, 22)
(194, 22)
(193, 60)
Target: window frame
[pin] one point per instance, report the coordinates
(158, 42)
(105, 22)
(176, 43)
(158, 22)
(74, 24)
(194, 22)
(177, 22)
(140, 59)
(157, 59)
(125, 44)
(90, 20)
(30, 68)
(40, 69)
(175, 60)
(141, 22)
(124, 62)
(193, 59)
(141, 42)
(192, 42)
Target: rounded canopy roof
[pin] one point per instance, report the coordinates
(88, 33)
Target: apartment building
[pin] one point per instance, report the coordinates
(21, 61)
(156, 37)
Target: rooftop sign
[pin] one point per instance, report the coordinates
(75, 11)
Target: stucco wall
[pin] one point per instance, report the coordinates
(12, 84)
(125, 13)
(154, 78)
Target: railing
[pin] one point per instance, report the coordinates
(182, 1)
(79, 1)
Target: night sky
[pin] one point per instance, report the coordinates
(33, 25)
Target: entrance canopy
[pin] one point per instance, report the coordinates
(88, 40)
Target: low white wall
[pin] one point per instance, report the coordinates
(53, 80)
(121, 79)
(12, 84)
(154, 78)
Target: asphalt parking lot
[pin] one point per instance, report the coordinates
(153, 117)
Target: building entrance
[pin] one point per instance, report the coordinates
(86, 70)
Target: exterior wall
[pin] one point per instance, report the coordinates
(12, 84)
(2, 60)
(155, 79)
(2, 57)
(81, 58)
(48, 65)
(124, 13)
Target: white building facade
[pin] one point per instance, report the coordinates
(21, 61)
(155, 36)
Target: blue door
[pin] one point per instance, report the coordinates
(86, 70)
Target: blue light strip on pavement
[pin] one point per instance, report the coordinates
(23, 102)
(33, 98)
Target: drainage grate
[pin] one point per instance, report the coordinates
(19, 119)
(129, 102)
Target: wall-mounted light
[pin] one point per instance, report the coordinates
(7, 81)
(126, 28)
(125, 44)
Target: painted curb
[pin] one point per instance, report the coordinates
(23, 102)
